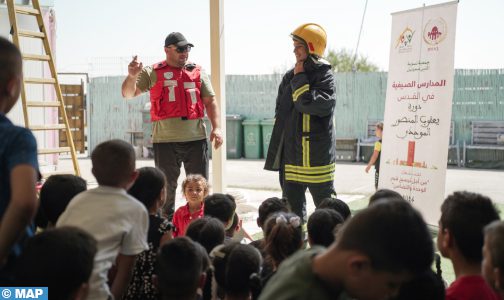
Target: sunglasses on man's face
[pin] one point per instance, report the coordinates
(182, 49)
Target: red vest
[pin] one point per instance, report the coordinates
(176, 93)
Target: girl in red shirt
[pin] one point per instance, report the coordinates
(195, 189)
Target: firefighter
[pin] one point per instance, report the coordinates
(302, 147)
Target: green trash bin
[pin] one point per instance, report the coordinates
(267, 129)
(252, 138)
(234, 136)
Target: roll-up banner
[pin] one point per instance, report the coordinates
(418, 106)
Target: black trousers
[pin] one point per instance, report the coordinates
(295, 194)
(169, 158)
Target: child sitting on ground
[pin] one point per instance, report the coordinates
(150, 189)
(337, 205)
(180, 269)
(55, 195)
(266, 209)
(115, 219)
(375, 158)
(322, 226)
(207, 231)
(375, 252)
(460, 238)
(60, 259)
(195, 189)
(385, 194)
(222, 207)
(283, 237)
(493, 256)
(237, 269)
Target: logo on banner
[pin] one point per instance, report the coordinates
(405, 40)
(434, 33)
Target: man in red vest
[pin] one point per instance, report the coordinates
(180, 92)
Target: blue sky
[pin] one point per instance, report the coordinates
(257, 31)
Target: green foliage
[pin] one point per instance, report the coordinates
(342, 60)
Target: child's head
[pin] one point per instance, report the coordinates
(114, 164)
(463, 218)
(207, 231)
(382, 247)
(322, 225)
(222, 207)
(337, 205)
(269, 207)
(237, 269)
(11, 72)
(179, 269)
(57, 192)
(150, 187)
(379, 129)
(493, 256)
(195, 188)
(61, 259)
(283, 236)
(385, 194)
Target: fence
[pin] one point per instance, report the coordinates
(478, 95)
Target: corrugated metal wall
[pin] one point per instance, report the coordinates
(478, 95)
(110, 116)
(252, 96)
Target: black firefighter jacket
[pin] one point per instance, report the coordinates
(303, 139)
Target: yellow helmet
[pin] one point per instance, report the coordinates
(314, 37)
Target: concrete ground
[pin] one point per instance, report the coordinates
(250, 184)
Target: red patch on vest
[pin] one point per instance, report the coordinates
(310, 45)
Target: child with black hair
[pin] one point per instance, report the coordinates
(207, 231)
(464, 215)
(337, 205)
(118, 221)
(55, 194)
(18, 167)
(205, 292)
(323, 224)
(283, 237)
(60, 259)
(237, 269)
(385, 194)
(493, 256)
(195, 189)
(150, 189)
(266, 209)
(180, 271)
(222, 207)
(375, 252)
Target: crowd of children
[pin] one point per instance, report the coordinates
(113, 242)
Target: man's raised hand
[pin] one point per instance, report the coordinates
(135, 67)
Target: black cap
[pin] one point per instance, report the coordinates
(177, 39)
